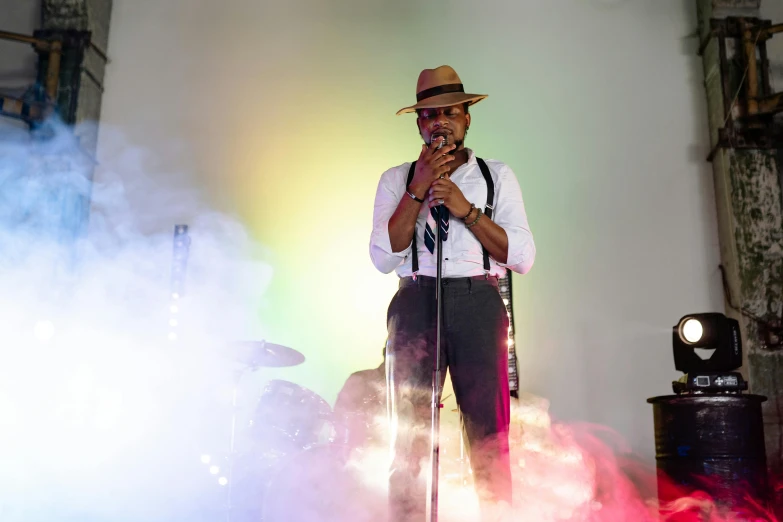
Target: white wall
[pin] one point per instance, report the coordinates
(773, 10)
(597, 105)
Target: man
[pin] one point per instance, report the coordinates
(481, 240)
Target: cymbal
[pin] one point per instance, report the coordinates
(263, 354)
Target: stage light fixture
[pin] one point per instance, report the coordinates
(709, 331)
(222, 481)
(205, 459)
(214, 470)
(695, 333)
(692, 330)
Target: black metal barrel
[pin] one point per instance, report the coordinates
(711, 443)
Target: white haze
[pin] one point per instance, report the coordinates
(103, 418)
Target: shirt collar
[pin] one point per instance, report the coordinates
(471, 161)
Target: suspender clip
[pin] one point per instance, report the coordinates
(414, 275)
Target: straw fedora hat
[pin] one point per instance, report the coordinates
(440, 87)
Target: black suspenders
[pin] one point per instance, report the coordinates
(487, 211)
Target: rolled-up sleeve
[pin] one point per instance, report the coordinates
(511, 216)
(387, 197)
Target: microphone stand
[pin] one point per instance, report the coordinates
(436, 391)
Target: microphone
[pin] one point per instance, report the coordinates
(441, 144)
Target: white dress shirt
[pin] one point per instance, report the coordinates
(462, 252)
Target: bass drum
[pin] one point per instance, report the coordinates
(289, 418)
(321, 484)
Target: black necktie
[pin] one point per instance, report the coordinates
(429, 234)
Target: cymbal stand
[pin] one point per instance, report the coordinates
(238, 375)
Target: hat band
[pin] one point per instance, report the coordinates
(441, 89)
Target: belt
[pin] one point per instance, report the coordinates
(449, 281)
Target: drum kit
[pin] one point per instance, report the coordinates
(295, 459)
(293, 448)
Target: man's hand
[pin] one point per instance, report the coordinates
(491, 236)
(445, 192)
(431, 164)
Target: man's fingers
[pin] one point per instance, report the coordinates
(433, 160)
(433, 146)
(445, 150)
(440, 170)
(446, 158)
(422, 154)
(445, 182)
(440, 191)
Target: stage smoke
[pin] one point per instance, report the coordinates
(102, 417)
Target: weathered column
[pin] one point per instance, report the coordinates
(81, 72)
(82, 27)
(748, 195)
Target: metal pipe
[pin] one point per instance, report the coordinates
(100, 52)
(752, 79)
(6, 35)
(16, 108)
(771, 30)
(728, 103)
(53, 70)
(92, 77)
(45, 44)
(763, 57)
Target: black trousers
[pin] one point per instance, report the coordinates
(474, 348)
